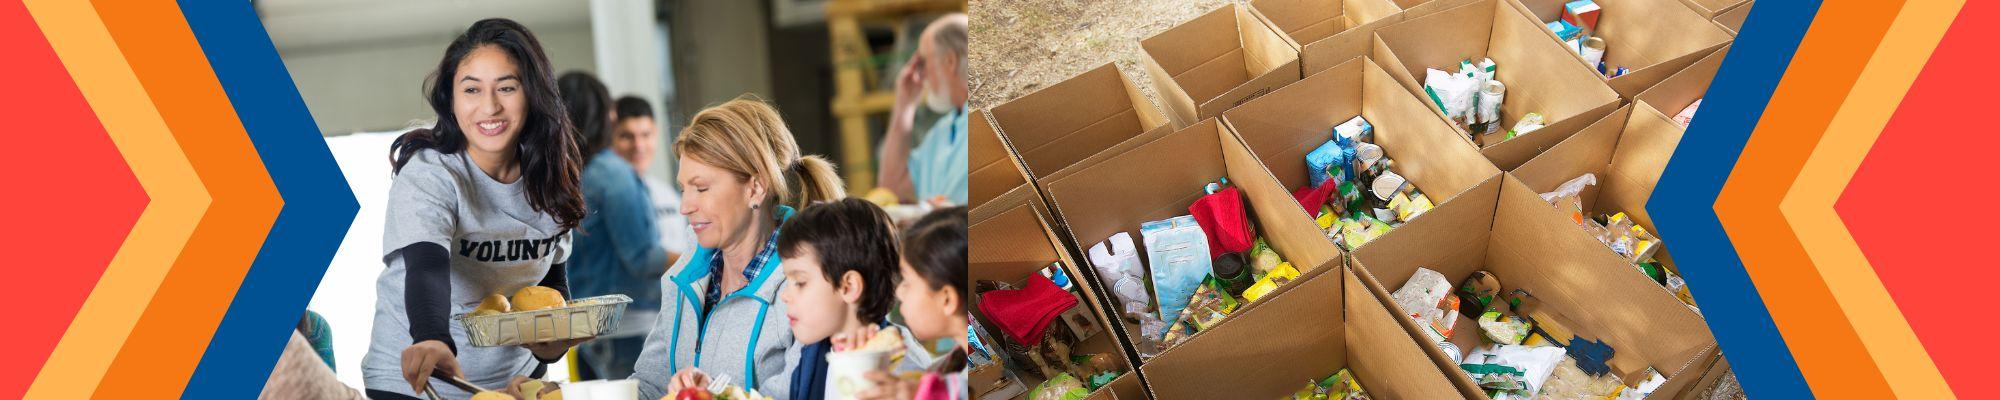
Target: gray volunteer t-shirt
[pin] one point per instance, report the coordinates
(498, 244)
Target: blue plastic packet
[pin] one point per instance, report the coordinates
(1177, 254)
(1565, 30)
(1317, 161)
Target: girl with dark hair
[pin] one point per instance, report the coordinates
(482, 202)
(932, 297)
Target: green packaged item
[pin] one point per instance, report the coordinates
(1339, 386)
(1061, 387)
(1263, 259)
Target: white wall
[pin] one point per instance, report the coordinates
(379, 86)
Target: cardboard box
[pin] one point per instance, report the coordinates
(1217, 61)
(1504, 228)
(1060, 125)
(1652, 38)
(1418, 8)
(1328, 31)
(995, 168)
(1732, 20)
(1158, 178)
(1012, 241)
(1711, 8)
(1322, 322)
(1281, 127)
(1540, 75)
(1678, 91)
(1627, 151)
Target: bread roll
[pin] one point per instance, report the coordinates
(537, 298)
(493, 304)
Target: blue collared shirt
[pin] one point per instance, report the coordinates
(938, 164)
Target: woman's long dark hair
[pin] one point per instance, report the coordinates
(589, 110)
(546, 147)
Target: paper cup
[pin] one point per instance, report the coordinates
(623, 389)
(847, 371)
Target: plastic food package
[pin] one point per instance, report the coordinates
(1453, 93)
(1340, 386)
(1686, 116)
(1420, 298)
(1503, 328)
(1357, 232)
(1571, 192)
(1177, 251)
(1320, 160)
(1418, 205)
(1528, 123)
(1117, 262)
(1263, 259)
(1536, 364)
(1278, 277)
(1565, 30)
(1061, 387)
(1569, 382)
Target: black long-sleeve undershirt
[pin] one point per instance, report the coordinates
(427, 293)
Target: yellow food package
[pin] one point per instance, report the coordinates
(1278, 276)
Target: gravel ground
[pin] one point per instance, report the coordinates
(1019, 46)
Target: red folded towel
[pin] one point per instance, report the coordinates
(1312, 197)
(1221, 215)
(1024, 314)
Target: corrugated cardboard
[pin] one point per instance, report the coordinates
(1322, 322)
(1062, 124)
(1217, 61)
(995, 168)
(1627, 151)
(1159, 178)
(1732, 20)
(1710, 8)
(1653, 38)
(1012, 242)
(1418, 8)
(1540, 75)
(1281, 127)
(1528, 245)
(1682, 89)
(1328, 31)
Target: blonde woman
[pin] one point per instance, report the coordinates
(741, 177)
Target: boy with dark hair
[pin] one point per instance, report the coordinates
(840, 266)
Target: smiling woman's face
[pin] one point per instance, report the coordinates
(489, 101)
(716, 202)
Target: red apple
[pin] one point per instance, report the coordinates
(694, 394)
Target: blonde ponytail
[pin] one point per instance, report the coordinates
(747, 137)
(815, 181)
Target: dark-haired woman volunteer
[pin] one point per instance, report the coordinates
(482, 202)
(741, 176)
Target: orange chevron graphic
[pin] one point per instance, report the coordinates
(178, 199)
(1809, 205)
(1807, 97)
(170, 337)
